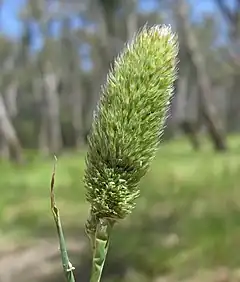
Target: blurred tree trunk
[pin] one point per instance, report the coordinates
(52, 107)
(105, 33)
(46, 80)
(212, 120)
(51, 122)
(131, 18)
(77, 111)
(184, 108)
(4, 149)
(42, 128)
(104, 46)
(71, 78)
(10, 99)
(8, 135)
(233, 115)
(232, 16)
(10, 102)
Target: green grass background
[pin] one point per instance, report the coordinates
(187, 218)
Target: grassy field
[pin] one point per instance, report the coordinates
(188, 216)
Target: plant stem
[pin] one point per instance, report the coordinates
(67, 266)
(100, 248)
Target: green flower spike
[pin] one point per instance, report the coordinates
(126, 131)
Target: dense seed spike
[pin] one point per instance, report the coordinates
(129, 121)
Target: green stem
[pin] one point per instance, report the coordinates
(67, 266)
(100, 248)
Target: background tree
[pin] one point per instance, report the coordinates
(52, 74)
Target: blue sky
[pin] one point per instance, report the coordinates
(11, 26)
(9, 23)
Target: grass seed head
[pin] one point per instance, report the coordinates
(129, 121)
